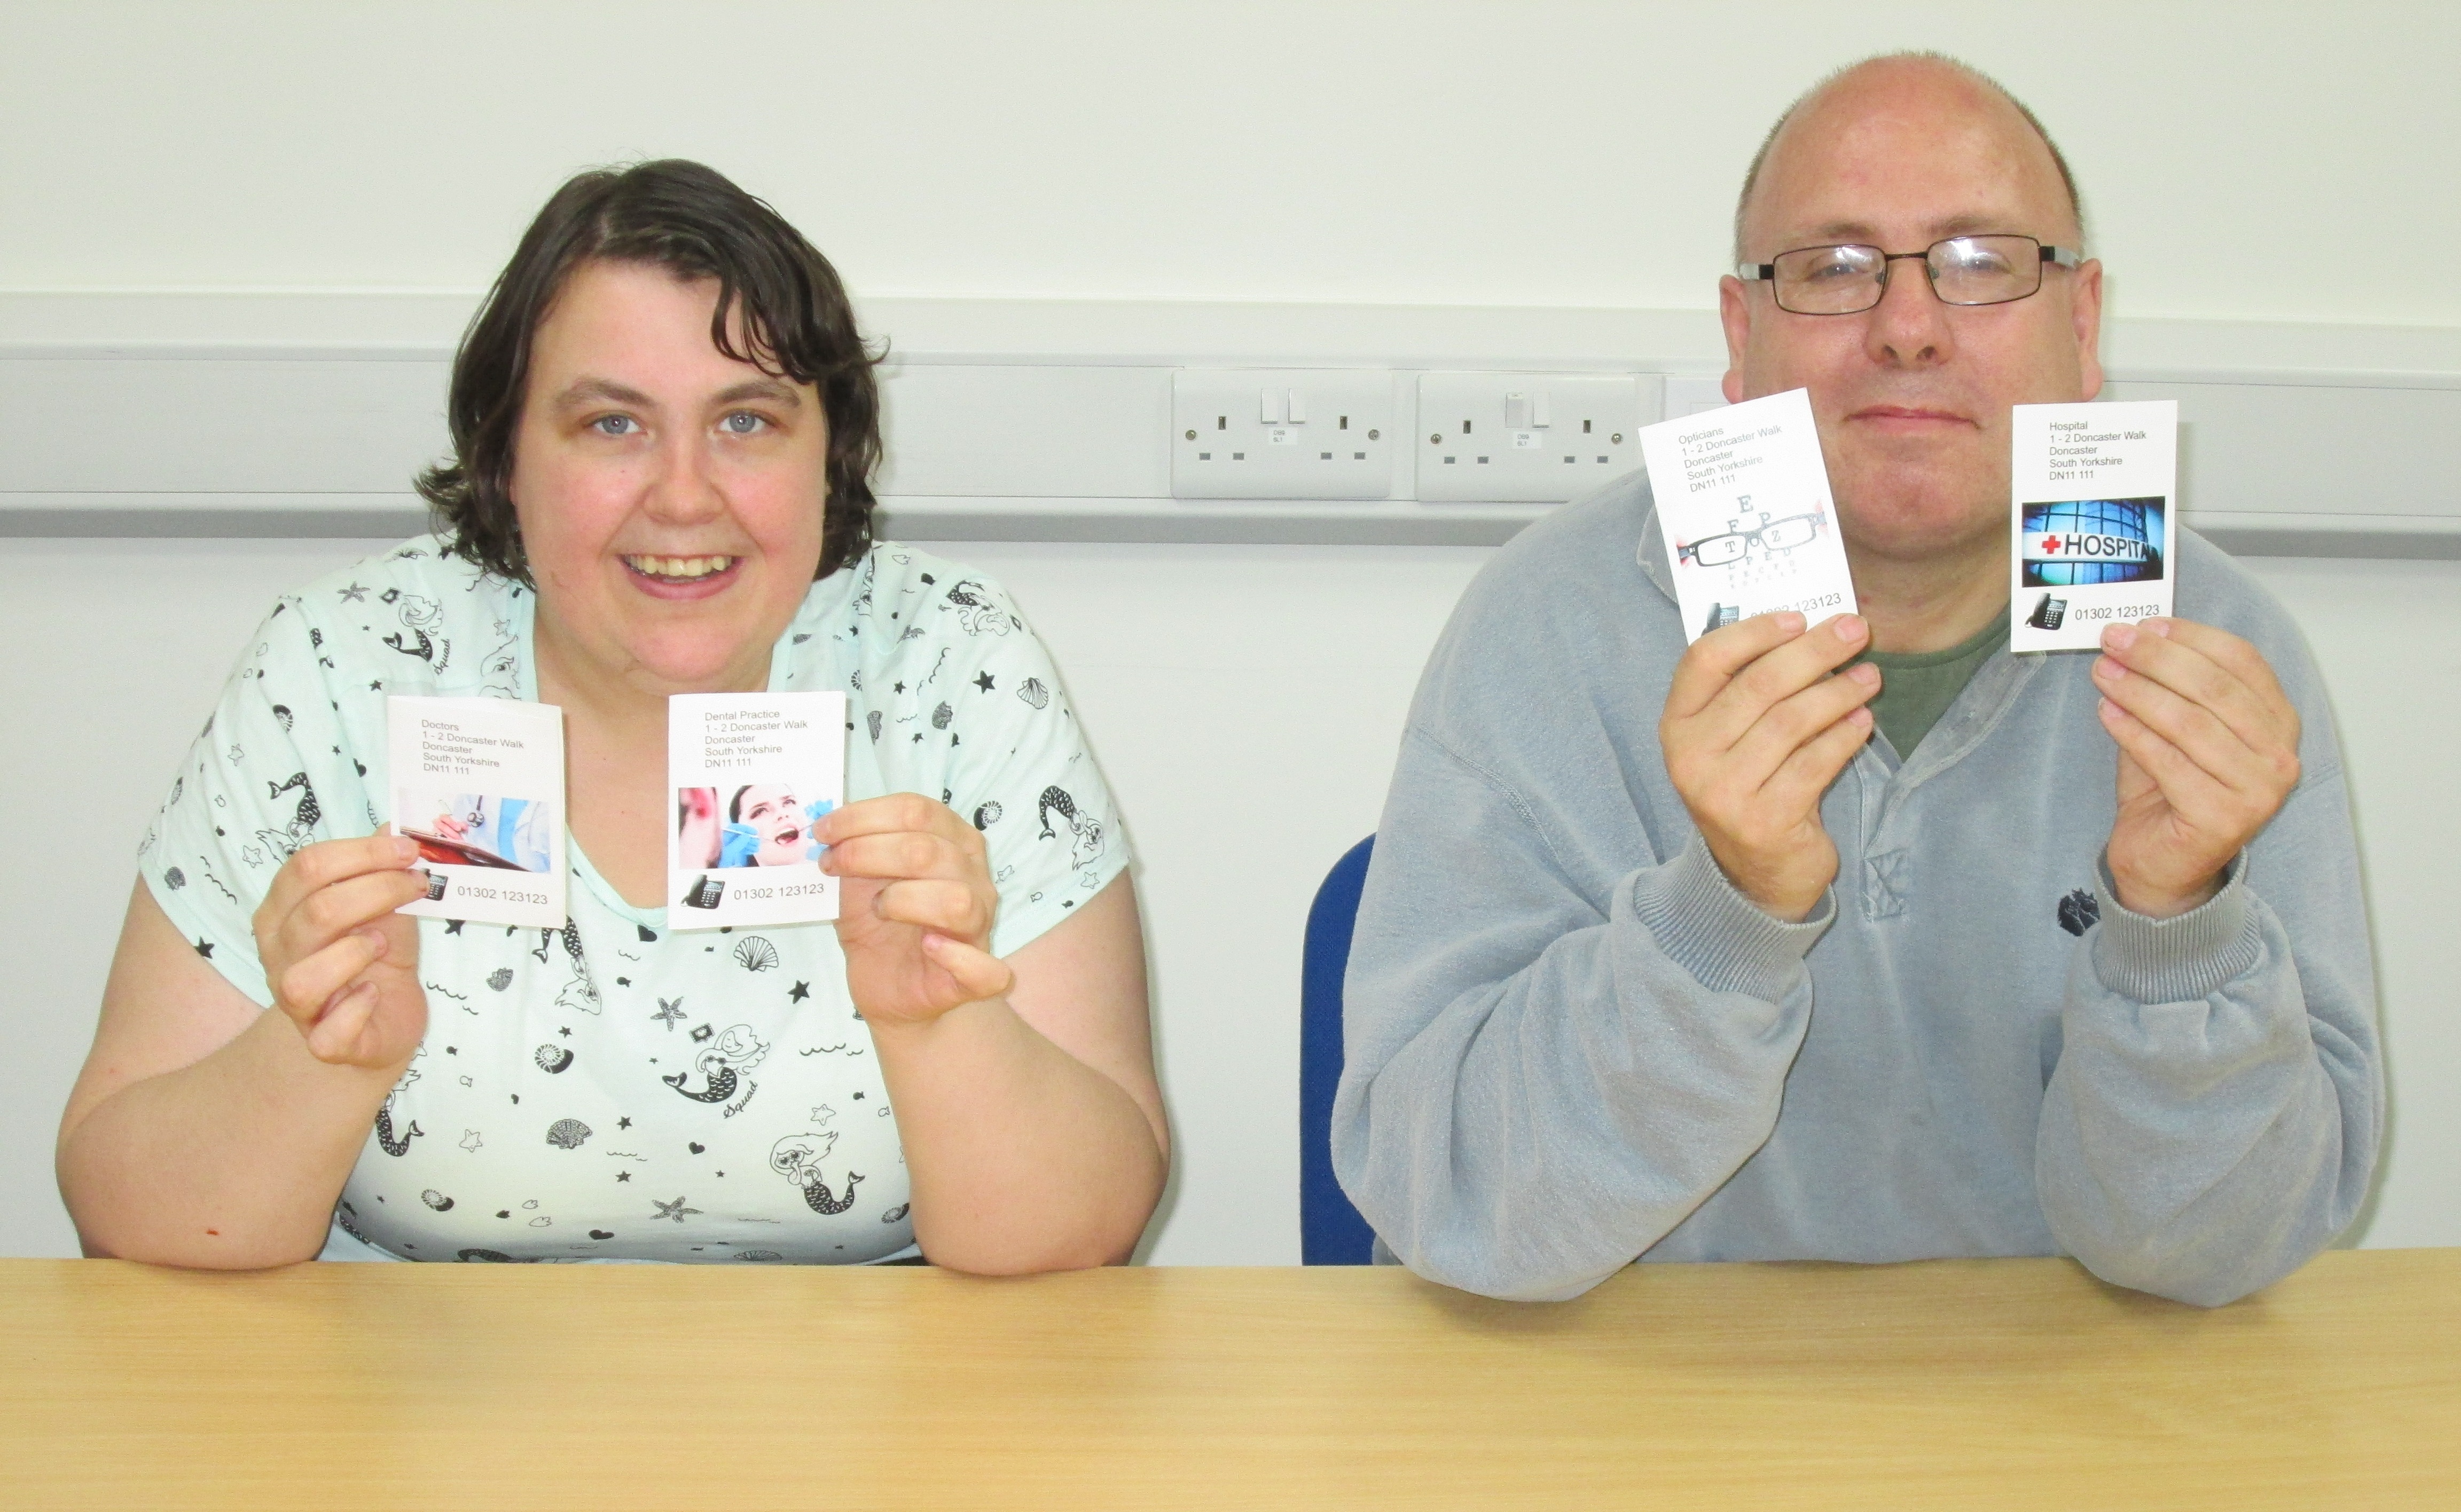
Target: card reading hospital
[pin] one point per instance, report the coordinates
(2095, 487)
(479, 783)
(1743, 503)
(752, 774)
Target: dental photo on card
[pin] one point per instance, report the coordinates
(756, 824)
(752, 775)
(2083, 542)
(479, 829)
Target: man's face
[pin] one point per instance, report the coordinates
(1911, 396)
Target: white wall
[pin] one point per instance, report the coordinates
(2242, 162)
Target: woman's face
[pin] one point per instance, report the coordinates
(669, 496)
(777, 820)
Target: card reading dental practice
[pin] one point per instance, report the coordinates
(752, 774)
(1743, 503)
(2095, 486)
(479, 783)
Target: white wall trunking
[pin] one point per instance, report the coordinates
(300, 415)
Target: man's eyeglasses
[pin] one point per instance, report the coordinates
(1964, 270)
(1778, 535)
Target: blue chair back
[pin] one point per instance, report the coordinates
(1330, 1232)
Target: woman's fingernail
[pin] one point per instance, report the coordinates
(1851, 628)
(2107, 670)
(404, 849)
(1791, 621)
(2161, 628)
(2118, 637)
(1866, 673)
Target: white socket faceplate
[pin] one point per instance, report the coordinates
(1526, 438)
(1257, 433)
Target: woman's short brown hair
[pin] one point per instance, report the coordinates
(691, 220)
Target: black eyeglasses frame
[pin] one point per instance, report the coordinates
(2050, 255)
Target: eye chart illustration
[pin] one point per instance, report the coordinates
(1743, 503)
(479, 783)
(752, 774)
(2094, 486)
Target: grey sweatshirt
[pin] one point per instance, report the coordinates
(1571, 1043)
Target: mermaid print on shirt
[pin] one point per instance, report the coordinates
(737, 1050)
(610, 1088)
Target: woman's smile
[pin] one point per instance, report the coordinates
(683, 577)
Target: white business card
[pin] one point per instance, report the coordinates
(752, 774)
(479, 783)
(1743, 503)
(2094, 491)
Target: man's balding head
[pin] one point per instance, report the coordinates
(1858, 85)
(1912, 394)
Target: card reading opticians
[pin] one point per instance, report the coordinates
(2095, 486)
(1744, 503)
(752, 774)
(479, 783)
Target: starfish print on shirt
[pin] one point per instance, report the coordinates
(675, 1210)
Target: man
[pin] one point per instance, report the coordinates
(1672, 954)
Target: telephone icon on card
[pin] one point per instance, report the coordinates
(705, 893)
(2048, 613)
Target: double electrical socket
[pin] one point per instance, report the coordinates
(1338, 434)
(1320, 433)
(1526, 438)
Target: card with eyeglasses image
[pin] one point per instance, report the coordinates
(1744, 503)
(2094, 486)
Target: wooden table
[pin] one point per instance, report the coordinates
(2013, 1383)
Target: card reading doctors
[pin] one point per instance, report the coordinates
(752, 774)
(2095, 486)
(1743, 503)
(479, 783)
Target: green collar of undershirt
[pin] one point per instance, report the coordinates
(1918, 686)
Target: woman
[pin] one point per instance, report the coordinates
(664, 424)
(767, 827)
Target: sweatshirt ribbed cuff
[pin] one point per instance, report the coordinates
(2176, 959)
(1715, 933)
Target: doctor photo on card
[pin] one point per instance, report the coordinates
(663, 424)
(1861, 936)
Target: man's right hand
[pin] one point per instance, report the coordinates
(1754, 731)
(342, 964)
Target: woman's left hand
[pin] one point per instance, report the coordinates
(915, 913)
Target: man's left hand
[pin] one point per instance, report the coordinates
(2208, 752)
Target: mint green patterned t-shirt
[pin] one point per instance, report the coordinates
(614, 1090)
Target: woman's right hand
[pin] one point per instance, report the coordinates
(342, 964)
